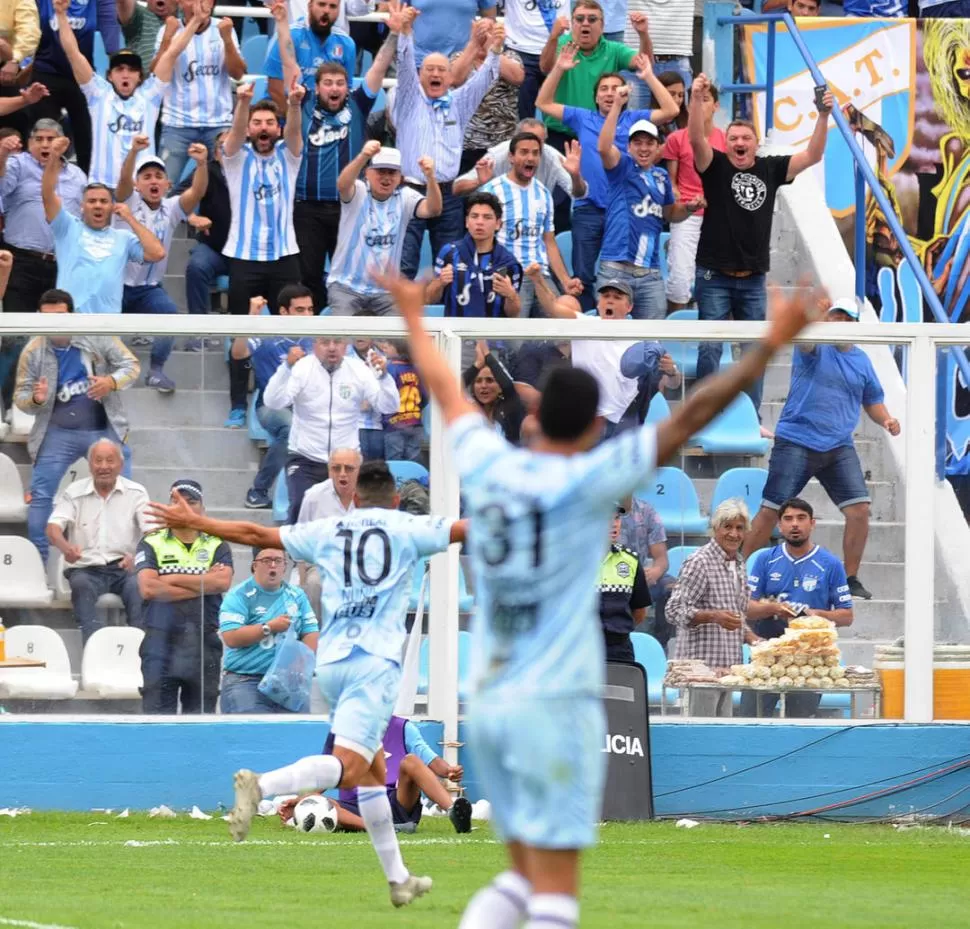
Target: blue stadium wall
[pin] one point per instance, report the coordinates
(723, 771)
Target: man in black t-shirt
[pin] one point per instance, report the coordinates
(740, 187)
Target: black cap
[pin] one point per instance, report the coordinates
(622, 286)
(188, 488)
(126, 56)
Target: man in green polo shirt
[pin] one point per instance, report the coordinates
(596, 56)
(624, 595)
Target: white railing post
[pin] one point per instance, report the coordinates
(443, 615)
(919, 554)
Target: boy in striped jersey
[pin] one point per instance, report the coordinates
(527, 229)
(143, 185)
(126, 104)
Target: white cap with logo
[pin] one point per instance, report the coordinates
(387, 158)
(644, 125)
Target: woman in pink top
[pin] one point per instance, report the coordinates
(687, 185)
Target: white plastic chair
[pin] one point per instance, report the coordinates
(53, 682)
(23, 582)
(111, 665)
(12, 506)
(76, 472)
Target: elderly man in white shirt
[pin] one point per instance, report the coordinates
(332, 497)
(325, 390)
(96, 524)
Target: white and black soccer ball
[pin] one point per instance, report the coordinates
(315, 814)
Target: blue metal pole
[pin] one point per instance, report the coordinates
(770, 81)
(860, 234)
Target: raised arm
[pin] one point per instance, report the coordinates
(374, 79)
(192, 197)
(816, 144)
(235, 138)
(48, 184)
(293, 131)
(431, 365)
(703, 153)
(606, 144)
(153, 249)
(787, 318)
(433, 203)
(668, 108)
(551, 304)
(547, 58)
(565, 61)
(348, 177)
(292, 73)
(27, 97)
(163, 67)
(235, 63)
(642, 28)
(126, 178)
(180, 515)
(464, 64)
(571, 285)
(80, 66)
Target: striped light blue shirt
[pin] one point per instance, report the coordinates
(115, 121)
(371, 233)
(200, 93)
(261, 192)
(527, 214)
(162, 224)
(435, 128)
(25, 224)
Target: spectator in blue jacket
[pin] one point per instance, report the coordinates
(265, 356)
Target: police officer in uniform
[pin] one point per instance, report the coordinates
(624, 595)
(182, 575)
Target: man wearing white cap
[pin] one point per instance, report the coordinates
(641, 197)
(374, 216)
(143, 185)
(813, 438)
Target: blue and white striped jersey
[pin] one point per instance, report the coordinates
(365, 559)
(539, 526)
(162, 224)
(371, 234)
(200, 93)
(115, 121)
(527, 214)
(261, 192)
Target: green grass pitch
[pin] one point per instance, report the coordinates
(91, 871)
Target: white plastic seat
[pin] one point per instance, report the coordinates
(62, 588)
(76, 472)
(53, 682)
(111, 665)
(23, 582)
(12, 506)
(20, 422)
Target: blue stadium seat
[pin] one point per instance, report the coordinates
(281, 499)
(748, 484)
(426, 421)
(685, 353)
(254, 51)
(249, 28)
(673, 496)
(380, 101)
(464, 664)
(326, 311)
(649, 654)
(677, 555)
(222, 283)
(565, 242)
(658, 410)
(260, 87)
(101, 57)
(736, 431)
(408, 471)
(427, 256)
(434, 309)
(256, 431)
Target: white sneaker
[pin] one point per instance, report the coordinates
(248, 797)
(410, 890)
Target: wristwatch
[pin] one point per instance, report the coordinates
(267, 632)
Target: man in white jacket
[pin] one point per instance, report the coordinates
(325, 390)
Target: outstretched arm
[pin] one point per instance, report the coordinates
(235, 138)
(606, 144)
(181, 516)
(787, 318)
(164, 65)
(431, 365)
(126, 178)
(546, 100)
(703, 153)
(816, 144)
(80, 66)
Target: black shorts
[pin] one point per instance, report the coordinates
(398, 813)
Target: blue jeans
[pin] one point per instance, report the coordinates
(649, 293)
(239, 693)
(529, 88)
(87, 584)
(277, 424)
(588, 222)
(792, 466)
(59, 449)
(371, 444)
(204, 267)
(403, 444)
(175, 143)
(720, 296)
(443, 229)
(151, 298)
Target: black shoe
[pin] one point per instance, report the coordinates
(857, 590)
(460, 815)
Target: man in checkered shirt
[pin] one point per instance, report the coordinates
(709, 603)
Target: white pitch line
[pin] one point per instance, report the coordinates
(29, 924)
(227, 843)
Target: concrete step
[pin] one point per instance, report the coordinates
(866, 428)
(886, 539)
(193, 450)
(206, 370)
(205, 409)
(225, 489)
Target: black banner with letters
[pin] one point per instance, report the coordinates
(629, 781)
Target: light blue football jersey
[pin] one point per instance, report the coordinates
(539, 527)
(365, 560)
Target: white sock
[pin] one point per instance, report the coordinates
(315, 772)
(500, 905)
(375, 811)
(553, 911)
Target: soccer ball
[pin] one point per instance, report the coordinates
(315, 814)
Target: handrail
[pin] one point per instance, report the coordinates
(861, 166)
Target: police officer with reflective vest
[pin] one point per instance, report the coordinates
(182, 575)
(624, 595)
